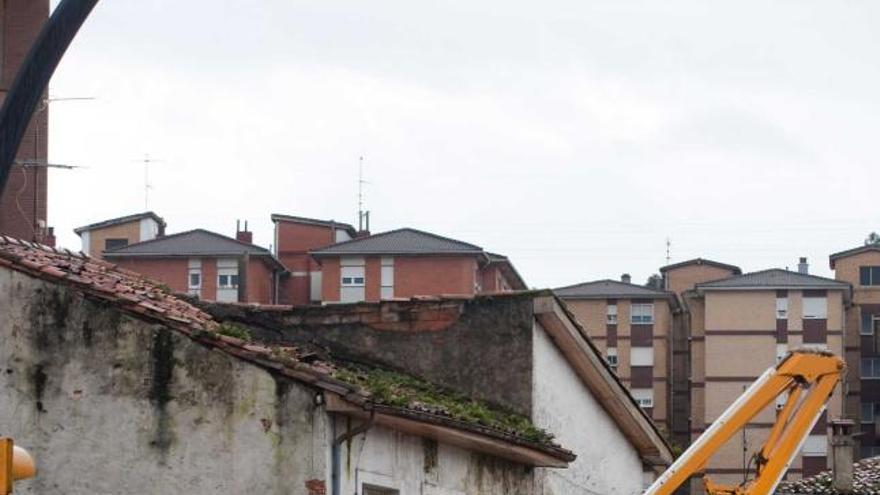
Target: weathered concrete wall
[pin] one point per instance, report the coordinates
(482, 347)
(413, 465)
(110, 404)
(607, 463)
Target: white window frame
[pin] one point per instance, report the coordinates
(644, 397)
(611, 314)
(782, 308)
(611, 357)
(872, 407)
(638, 315)
(386, 278)
(869, 368)
(194, 288)
(870, 329)
(641, 356)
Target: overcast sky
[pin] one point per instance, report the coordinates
(573, 136)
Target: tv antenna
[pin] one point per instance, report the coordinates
(363, 216)
(668, 250)
(147, 161)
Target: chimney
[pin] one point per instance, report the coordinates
(49, 239)
(803, 267)
(625, 278)
(243, 235)
(365, 226)
(842, 455)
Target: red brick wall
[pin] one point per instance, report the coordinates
(173, 272)
(434, 275)
(294, 242)
(209, 279)
(330, 274)
(259, 282)
(23, 201)
(373, 278)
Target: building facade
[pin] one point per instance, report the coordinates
(119, 232)
(632, 327)
(406, 263)
(23, 202)
(205, 264)
(860, 267)
(744, 324)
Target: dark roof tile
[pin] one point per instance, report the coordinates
(773, 278)
(121, 220)
(400, 241)
(604, 289)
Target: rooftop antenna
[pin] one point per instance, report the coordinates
(363, 216)
(668, 250)
(147, 161)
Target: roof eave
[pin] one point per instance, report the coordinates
(321, 254)
(453, 436)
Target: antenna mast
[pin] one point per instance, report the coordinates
(147, 161)
(668, 250)
(363, 216)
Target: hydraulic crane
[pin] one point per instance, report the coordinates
(808, 377)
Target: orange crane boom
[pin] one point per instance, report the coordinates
(808, 377)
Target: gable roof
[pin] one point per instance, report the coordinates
(774, 278)
(510, 272)
(197, 242)
(145, 299)
(701, 261)
(121, 220)
(400, 241)
(852, 252)
(610, 289)
(279, 217)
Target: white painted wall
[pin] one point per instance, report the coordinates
(607, 463)
(86, 238)
(414, 466)
(149, 229)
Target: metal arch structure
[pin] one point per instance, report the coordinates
(34, 75)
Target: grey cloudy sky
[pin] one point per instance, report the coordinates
(573, 136)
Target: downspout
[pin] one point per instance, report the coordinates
(336, 451)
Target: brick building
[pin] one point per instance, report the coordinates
(205, 264)
(407, 262)
(23, 203)
(631, 325)
(860, 267)
(120, 232)
(295, 237)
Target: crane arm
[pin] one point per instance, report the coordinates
(809, 378)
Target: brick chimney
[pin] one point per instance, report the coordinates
(626, 278)
(803, 266)
(243, 235)
(364, 226)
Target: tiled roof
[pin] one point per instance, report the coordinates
(146, 299)
(700, 261)
(198, 242)
(866, 481)
(400, 241)
(279, 217)
(603, 289)
(510, 271)
(773, 278)
(851, 252)
(121, 220)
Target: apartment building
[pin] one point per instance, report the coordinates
(860, 267)
(295, 237)
(120, 232)
(205, 264)
(23, 201)
(743, 324)
(632, 326)
(406, 262)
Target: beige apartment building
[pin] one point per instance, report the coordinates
(860, 267)
(631, 325)
(743, 324)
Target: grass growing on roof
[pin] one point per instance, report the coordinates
(234, 330)
(398, 390)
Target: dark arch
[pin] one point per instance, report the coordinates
(34, 75)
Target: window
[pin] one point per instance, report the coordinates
(227, 281)
(387, 278)
(195, 281)
(815, 308)
(868, 409)
(611, 314)
(353, 281)
(869, 275)
(642, 356)
(378, 490)
(644, 397)
(867, 324)
(870, 368)
(642, 313)
(781, 308)
(611, 357)
(870, 451)
(111, 244)
(781, 352)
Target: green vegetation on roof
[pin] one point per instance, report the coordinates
(234, 330)
(398, 390)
